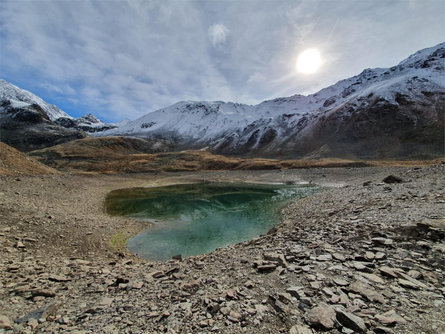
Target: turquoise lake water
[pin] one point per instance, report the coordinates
(192, 219)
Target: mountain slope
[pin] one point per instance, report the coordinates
(27, 127)
(13, 162)
(21, 98)
(394, 112)
(28, 123)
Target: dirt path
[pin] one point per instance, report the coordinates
(326, 267)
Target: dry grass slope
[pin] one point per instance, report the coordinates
(16, 163)
(111, 155)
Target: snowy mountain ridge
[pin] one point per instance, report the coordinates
(17, 98)
(21, 98)
(237, 128)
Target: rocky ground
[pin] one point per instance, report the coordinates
(361, 256)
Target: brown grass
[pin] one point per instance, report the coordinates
(122, 155)
(16, 163)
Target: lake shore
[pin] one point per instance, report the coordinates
(59, 258)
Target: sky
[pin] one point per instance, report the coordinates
(122, 59)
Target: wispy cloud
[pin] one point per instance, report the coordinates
(218, 34)
(126, 58)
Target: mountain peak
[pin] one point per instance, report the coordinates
(16, 95)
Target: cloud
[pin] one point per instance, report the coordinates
(218, 34)
(122, 59)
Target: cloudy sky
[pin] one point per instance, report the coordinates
(122, 59)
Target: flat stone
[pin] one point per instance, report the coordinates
(383, 330)
(382, 241)
(59, 278)
(373, 278)
(340, 282)
(324, 257)
(351, 321)
(234, 316)
(266, 268)
(5, 323)
(407, 284)
(137, 285)
(105, 301)
(388, 271)
(390, 318)
(43, 292)
(380, 256)
(367, 291)
(369, 256)
(276, 257)
(412, 280)
(298, 329)
(339, 257)
(296, 291)
(33, 323)
(321, 317)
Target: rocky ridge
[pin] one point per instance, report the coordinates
(28, 123)
(364, 256)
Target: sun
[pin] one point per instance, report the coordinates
(309, 61)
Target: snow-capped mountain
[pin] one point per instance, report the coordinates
(16, 97)
(401, 104)
(88, 123)
(20, 98)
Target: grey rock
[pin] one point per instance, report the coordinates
(299, 329)
(351, 321)
(321, 317)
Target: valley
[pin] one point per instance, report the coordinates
(375, 248)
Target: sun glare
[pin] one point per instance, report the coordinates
(308, 61)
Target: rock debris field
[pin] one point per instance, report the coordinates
(361, 256)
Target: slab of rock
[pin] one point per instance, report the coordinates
(339, 257)
(418, 283)
(390, 272)
(373, 278)
(351, 321)
(297, 329)
(324, 257)
(40, 313)
(367, 291)
(340, 282)
(383, 330)
(105, 301)
(407, 284)
(382, 241)
(4, 322)
(390, 318)
(276, 257)
(296, 291)
(43, 292)
(266, 268)
(58, 278)
(321, 317)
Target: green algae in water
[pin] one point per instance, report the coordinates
(192, 219)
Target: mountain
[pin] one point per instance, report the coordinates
(28, 127)
(380, 113)
(28, 123)
(20, 98)
(88, 123)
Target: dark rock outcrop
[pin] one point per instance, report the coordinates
(29, 128)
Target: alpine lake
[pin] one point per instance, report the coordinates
(192, 219)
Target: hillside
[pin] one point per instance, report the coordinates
(15, 163)
(135, 155)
